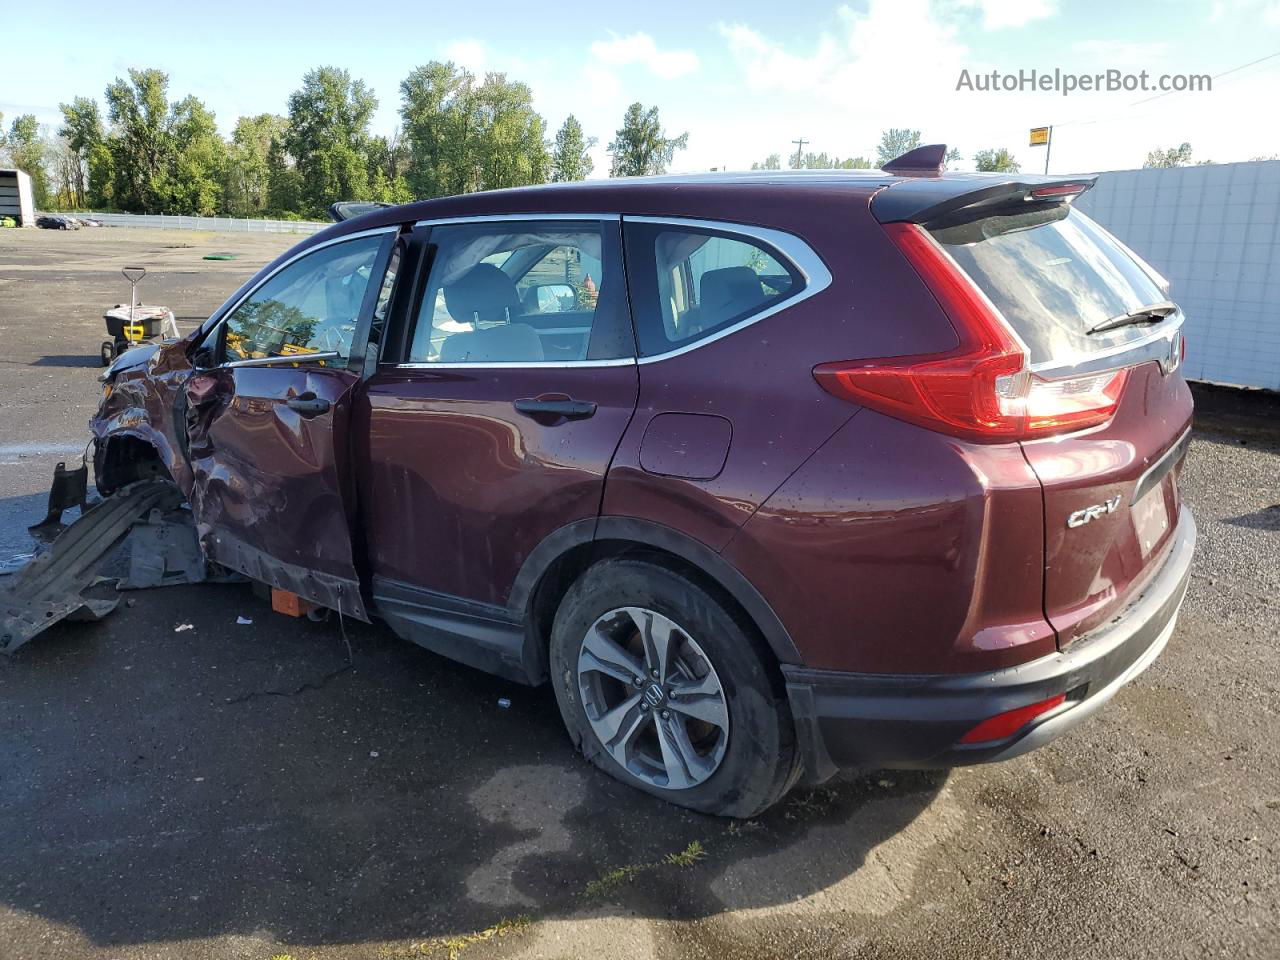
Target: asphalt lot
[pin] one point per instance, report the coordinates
(239, 791)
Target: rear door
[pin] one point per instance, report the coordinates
(267, 424)
(509, 378)
(1076, 298)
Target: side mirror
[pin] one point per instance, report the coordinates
(204, 358)
(551, 298)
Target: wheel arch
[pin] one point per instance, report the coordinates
(553, 566)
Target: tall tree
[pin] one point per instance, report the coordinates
(570, 160)
(245, 193)
(141, 150)
(1179, 156)
(85, 138)
(995, 160)
(328, 138)
(465, 136)
(27, 152)
(641, 147)
(198, 165)
(772, 162)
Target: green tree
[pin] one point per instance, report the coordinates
(198, 162)
(570, 160)
(465, 136)
(245, 192)
(141, 150)
(388, 163)
(772, 162)
(512, 136)
(894, 142)
(27, 151)
(821, 161)
(284, 185)
(328, 138)
(995, 160)
(1179, 156)
(85, 138)
(641, 147)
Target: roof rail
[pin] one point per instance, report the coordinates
(926, 161)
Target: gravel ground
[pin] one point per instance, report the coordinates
(232, 791)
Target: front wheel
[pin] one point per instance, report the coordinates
(661, 686)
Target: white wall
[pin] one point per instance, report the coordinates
(1214, 231)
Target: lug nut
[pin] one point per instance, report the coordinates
(666, 714)
(654, 674)
(638, 681)
(644, 707)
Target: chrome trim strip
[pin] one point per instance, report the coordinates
(1161, 344)
(515, 364)
(272, 361)
(500, 217)
(1156, 472)
(816, 275)
(226, 311)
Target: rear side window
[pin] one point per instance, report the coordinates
(523, 292)
(1054, 274)
(690, 283)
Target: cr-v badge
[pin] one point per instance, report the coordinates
(1081, 517)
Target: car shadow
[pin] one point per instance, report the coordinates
(171, 773)
(69, 360)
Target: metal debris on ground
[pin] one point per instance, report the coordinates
(244, 621)
(160, 548)
(504, 703)
(184, 626)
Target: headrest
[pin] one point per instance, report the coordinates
(728, 292)
(485, 292)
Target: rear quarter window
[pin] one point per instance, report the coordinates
(690, 283)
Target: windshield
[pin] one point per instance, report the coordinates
(1054, 274)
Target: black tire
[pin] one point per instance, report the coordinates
(107, 352)
(759, 763)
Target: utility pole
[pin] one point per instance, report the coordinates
(1048, 145)
(799, 151)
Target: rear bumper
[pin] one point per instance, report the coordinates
(852, 720)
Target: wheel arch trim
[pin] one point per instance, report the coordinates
(659, 536)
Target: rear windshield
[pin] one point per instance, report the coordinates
(1054, 274)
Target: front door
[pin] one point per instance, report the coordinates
(493, 422)
(267, 424)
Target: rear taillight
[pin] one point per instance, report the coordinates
(981, 390)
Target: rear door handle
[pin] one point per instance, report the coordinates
(308, 404)
(551, 410)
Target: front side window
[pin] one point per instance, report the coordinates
(310, 306)
(522, 292)
(692, 283)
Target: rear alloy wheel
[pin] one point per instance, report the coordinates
(652, 698)
(662, 687)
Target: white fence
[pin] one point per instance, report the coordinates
(219, 224)
(1214, 232)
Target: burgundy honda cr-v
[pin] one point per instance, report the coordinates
(769, 475)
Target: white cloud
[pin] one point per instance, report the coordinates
(468, 54)
(639, 48)
(1000, 14)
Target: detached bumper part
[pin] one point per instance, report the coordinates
(851, 720)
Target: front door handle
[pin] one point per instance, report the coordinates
(308, 404)
(553, 410)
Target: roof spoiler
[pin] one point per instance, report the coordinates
(349, 209)
(926, 161)
(922, 201)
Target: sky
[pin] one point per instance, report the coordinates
(744, 79)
